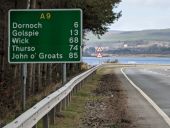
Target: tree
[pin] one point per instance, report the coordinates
(97, 14)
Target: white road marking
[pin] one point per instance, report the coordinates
(154, 105)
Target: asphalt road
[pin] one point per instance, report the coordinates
(155, 82)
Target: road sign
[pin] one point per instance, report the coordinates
(99, 49)
(99, 55)
(45, 35)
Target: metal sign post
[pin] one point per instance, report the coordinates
(24, 76)
(99, 55)
(24, 80)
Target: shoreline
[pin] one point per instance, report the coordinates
(137, 55)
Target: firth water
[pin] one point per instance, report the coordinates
(127, 60)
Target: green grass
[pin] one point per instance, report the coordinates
(74, 112)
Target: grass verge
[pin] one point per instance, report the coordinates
(71, 117)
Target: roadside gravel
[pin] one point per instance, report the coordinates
(110, 110)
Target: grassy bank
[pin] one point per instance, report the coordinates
(72, 115)
(70, 118)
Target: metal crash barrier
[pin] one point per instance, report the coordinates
(41, 110)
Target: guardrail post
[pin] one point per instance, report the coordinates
(67, 100)
(64, 104)
(76, 88)
(46, 121)
(83, 81)
(58, 108)
(70, 95)
(79, 86)
(92, 76)
(52, 116)
(95, 72)
(72, 92)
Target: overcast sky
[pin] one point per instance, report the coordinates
(143, 14)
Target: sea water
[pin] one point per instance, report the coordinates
(127, 60)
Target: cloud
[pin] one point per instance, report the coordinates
(148, 3)
(143, 14)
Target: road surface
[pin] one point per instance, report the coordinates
(155, 83)
(142, 113)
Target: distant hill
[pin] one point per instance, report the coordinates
(115, 36)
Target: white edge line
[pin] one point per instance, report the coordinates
(154, 105)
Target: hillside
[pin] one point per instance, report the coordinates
(115, 36)
(130, 42)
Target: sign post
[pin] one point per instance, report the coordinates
(99, 51)
(23, 84)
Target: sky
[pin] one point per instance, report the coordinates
(142, 15)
